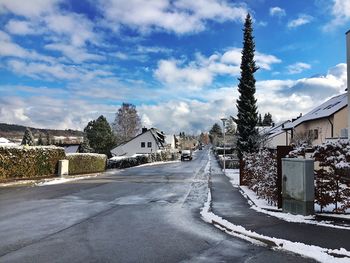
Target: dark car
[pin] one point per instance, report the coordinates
(186, 155)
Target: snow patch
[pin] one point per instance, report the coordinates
(63, 180)
(311, 251)
(262, 206)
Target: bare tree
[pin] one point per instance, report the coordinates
(127, 123)
(301, 138)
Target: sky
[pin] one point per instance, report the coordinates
(64, 63)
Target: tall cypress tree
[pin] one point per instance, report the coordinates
(247, 116)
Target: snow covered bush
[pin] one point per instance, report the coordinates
(127, 162)
(331, 186)
(29, 161)
(332, 173)
(84, 163)
(260, 174)
(121, 163)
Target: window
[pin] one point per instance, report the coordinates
(143, 144)
(315, 134)
(149, 144)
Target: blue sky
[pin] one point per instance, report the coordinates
(64, 63)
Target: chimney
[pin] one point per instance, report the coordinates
(144, 129)
(348, 69)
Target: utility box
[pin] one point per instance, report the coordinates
(63, 167)
(298, 190)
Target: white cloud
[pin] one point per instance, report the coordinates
(277, 11)
(175, 16)
(44, 107)
(76, 28)
(55, 71)
(301, 20)
(265, 61)
(340, 12)
(32, 8)
(21, 27)
(76, 54)
(11, 49)
(298, 67)
(191, 76)
(202, 71)
(43, 70)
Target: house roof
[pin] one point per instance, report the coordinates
(325, 110)
(275, 130)
(158, 136)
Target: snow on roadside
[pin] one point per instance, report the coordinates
(155, 163)
(262, 206)
(62, 180)
(311, 251)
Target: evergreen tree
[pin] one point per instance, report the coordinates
(216, 130)
(100, 135)
(85, 146)
(214, 133)
(267, 121)
(28, 138)
(260, 120)
(127, 123)
(40, 140)
(48, 139)
(247, 117)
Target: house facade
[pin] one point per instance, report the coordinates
(275, 136)
(325, 122)
(149, 141)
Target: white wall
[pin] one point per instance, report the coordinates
(134, 146)
(277, 140)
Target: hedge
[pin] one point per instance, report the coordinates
(141, 159)
(29, 161)
(84, 163)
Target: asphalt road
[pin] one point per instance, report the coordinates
(141, 214)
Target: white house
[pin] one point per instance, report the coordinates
(149, 141)
(171, 142)
(325, 122)
(273, 136)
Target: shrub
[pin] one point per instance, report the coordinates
(29, 161)
(141, 159)
(84, 163)
(331, 184)
(260, 174)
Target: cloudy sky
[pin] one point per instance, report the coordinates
(63, 63)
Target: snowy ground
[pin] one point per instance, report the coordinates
(49, 181)
(318, 253)
(261, 205)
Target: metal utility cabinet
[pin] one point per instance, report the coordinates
(298, 190)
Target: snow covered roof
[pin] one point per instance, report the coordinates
(326, 109)
(71, 148)
(275, 130)
(158, 136)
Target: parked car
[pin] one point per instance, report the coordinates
(186, 155)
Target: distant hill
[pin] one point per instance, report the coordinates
(15, 132)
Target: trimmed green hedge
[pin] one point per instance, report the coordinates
(85, 163)
(27, 161)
